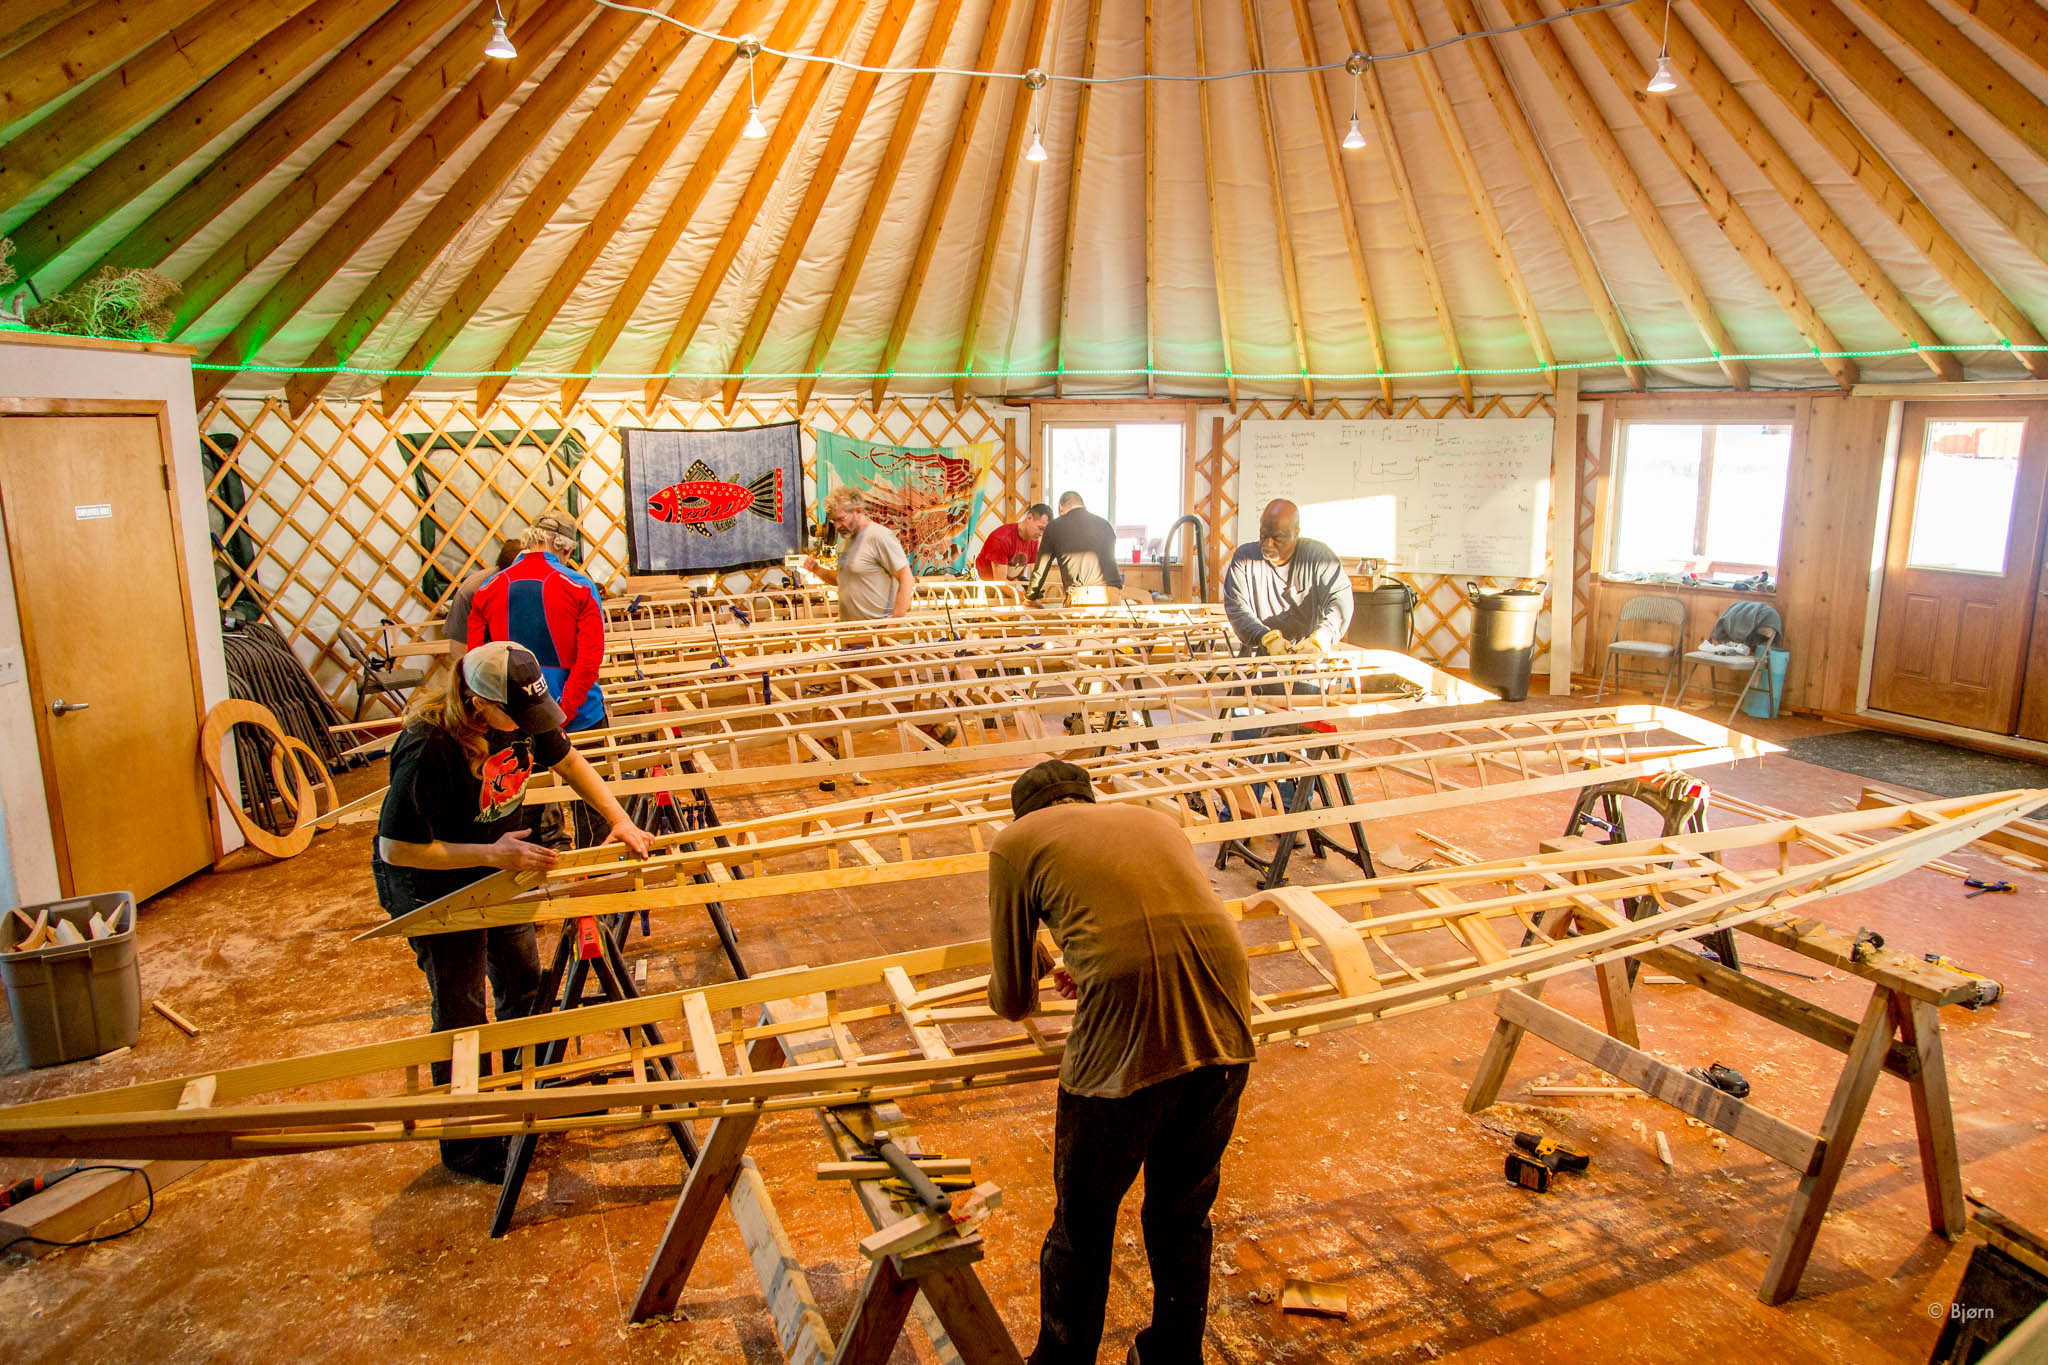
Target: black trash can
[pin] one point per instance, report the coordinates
(1504, 639)
(1382, 617)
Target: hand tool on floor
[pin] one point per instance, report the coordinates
(1723, 1078)
(1988, 990)
(33, 1184)
(1984, 886)
(1545, 1157)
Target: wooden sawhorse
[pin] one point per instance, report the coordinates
(956, 1311)
(1900, 1033)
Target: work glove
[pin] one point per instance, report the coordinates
(1273, 642)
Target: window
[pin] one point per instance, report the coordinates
(1700, 498)
(1962, 506)
(1129, 474)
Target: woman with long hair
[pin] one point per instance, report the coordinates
(452, 816)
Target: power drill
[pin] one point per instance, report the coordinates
(1988, 990)
(1546, 1157)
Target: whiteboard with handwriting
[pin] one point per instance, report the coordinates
(1462, 495)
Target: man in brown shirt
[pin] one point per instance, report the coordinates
(1158, 1056)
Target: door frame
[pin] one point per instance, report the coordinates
(158, 410)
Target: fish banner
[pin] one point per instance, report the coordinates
(930, 496)
(698, 501)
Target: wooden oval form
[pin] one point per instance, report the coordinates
(300, 792)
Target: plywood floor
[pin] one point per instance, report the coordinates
(1352, 1161)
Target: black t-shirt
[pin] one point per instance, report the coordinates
(434, 795)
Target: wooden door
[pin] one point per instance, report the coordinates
(1962, 560)
(106, 631)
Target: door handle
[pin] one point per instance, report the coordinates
(60, 706)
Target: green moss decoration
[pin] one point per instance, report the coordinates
(112, 302)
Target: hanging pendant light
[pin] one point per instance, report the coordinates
(1035, 153)
(500, 45)
(1663, 80)
(755, 130)
(1034, 81)
(1354, 137)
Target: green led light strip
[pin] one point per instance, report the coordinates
(1133, 372)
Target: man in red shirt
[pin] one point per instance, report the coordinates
(1009, 550)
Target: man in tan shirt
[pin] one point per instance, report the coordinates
(1158, 1056)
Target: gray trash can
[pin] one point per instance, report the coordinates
(75, 1000)
(1504, 638)
(1383, 617)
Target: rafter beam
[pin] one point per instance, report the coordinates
(1149, 134)
(852, 111)
(934, 220)
(717, 151)
(1067, 234)
(1629, 76)
(416, 94)
(470, 195)
(345, 78)
(1969, 68)
(1500, 91)
(270, 65)
(1817, 112)
(809, 90)
(159, 75)
(460, 120)
(1706, 80)
(1476, 191)
(664, 44)
(1209, 186)
(1404, 191)
(999, 202)
(1628, 187)
(22, 20)
(1886, 86)
(77, 50)
(1276, 179)
(641, 173)
(2021, 23)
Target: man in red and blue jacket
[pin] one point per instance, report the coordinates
(542, 603)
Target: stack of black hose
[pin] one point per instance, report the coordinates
(263, 669)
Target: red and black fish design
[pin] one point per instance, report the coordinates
(705, 503)
(504, 783)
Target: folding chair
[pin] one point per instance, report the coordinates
(1754, 666)
(377, 674)
(1654, 609)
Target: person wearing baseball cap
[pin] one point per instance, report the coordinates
(1157, 1058)
(451, 817)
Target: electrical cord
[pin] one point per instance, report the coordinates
(147, 1184)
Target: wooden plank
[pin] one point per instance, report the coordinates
(799, 1326)
(74, 51)
(1084, 101)
(882, 1170)
(703, 1036)
(1934, 1120)
(74, 1207)
(1771, 1135)
(1283, 221)
(1564, 516)
(930, 1040)
(1199, 29)
(463, 1066)
(2029, 837)
(878, 1316)
(1969, 68)
(1837, 1136)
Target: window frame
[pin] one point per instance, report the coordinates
(1109, 417)
(1709, 421)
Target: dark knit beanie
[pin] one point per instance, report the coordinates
(1053, 780)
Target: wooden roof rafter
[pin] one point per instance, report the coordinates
(1969, 68)
(1767, 54)
(1209, 186)
(270, 64)
(782, 139)
(1705, 79)
(2022, 24)
(1571, 89)
(1500, 92)
(1475, 185)
(1276, 179)
(662, 141)
(999, 202)
(22, 21)
(156, 76)
(83, 47)
(1074, 164)
(470, 195)
(664, 44)
(1404, 191)
(351, 73)
(822, 177)
(490, 85)
(1629, 76)
(711, 160)
(1148, 136)
(1881, 81)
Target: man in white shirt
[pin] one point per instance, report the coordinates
(873, 577)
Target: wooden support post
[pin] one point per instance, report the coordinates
(1564, 528)
(1919, 1026)
(878, 1316)
(1837, 1135)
